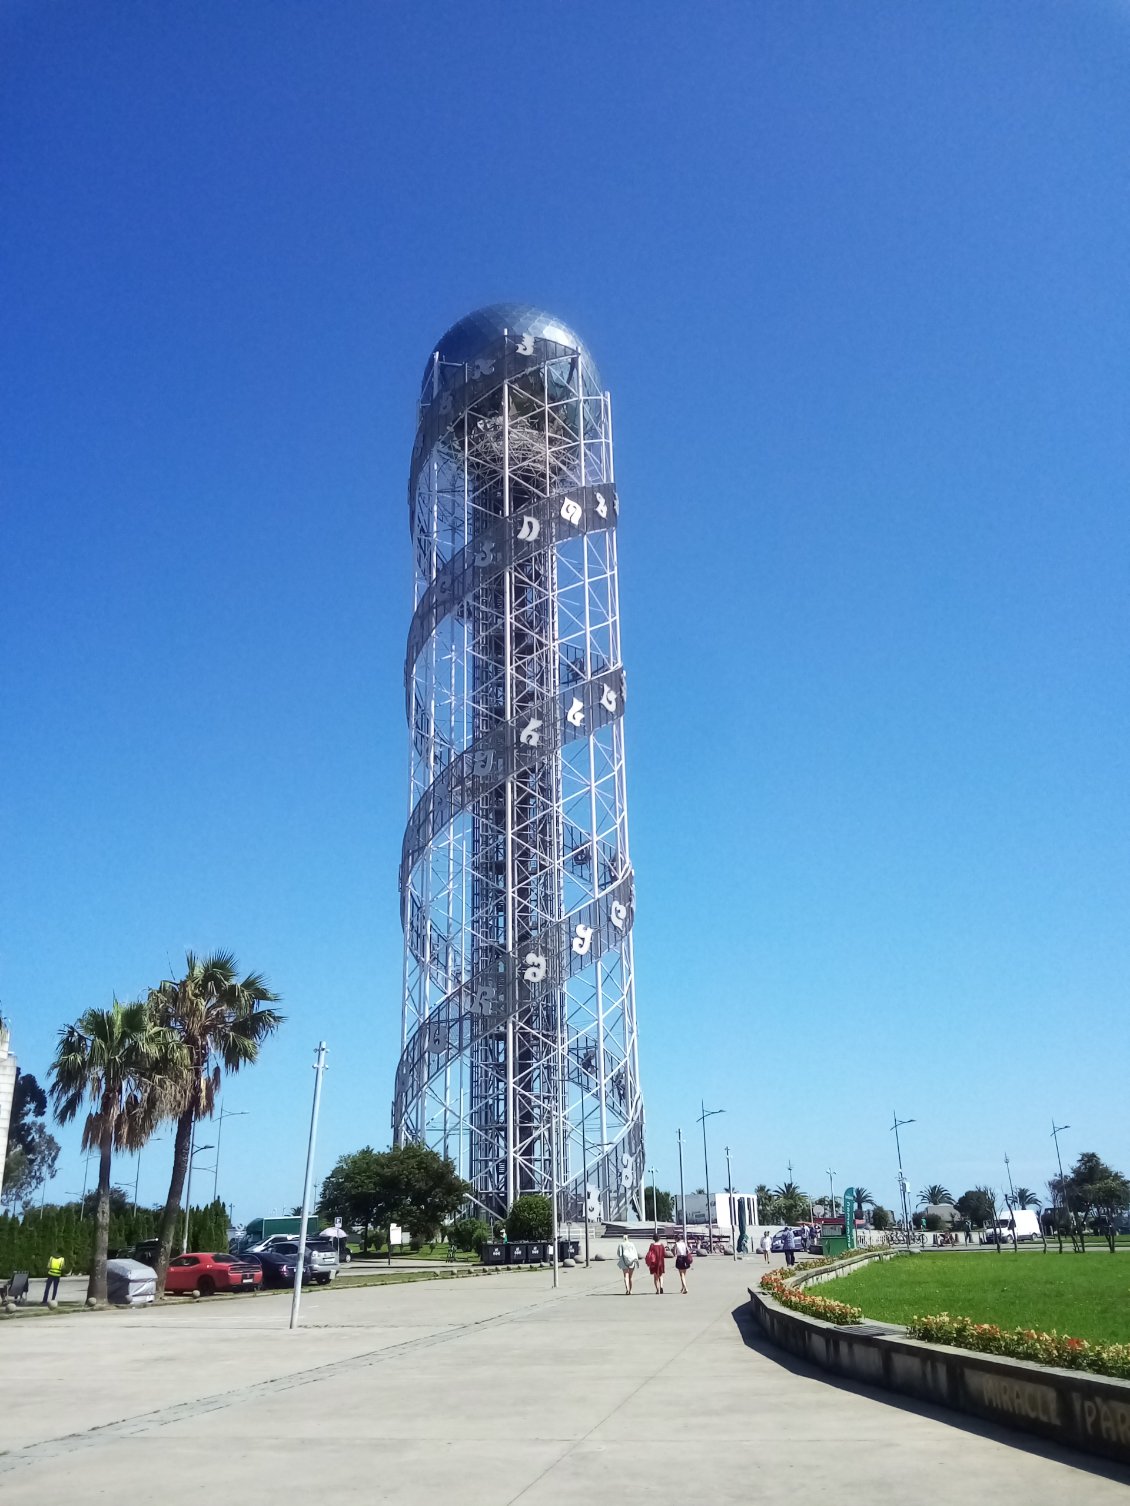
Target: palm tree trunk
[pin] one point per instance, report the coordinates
(182, 1146)
(96, 1287)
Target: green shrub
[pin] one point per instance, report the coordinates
(881, 1219)
(469, 1234)
(530, 1217)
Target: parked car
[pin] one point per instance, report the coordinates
(280, 1261)
(800, 1240)
(146, 1250)
(210, 1273)
(256, 1247)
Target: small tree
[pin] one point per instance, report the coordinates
(1096, 1191)
(977, 1205)
(664, 1206)
(33, 1151)
(881, 1219)
(411, 1185)
(530, 1217)
(469, 1234)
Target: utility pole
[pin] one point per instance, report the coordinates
(308, 1182)
(733, 1207)
(704, 1116)
(1012, 1205)
(1057, 1130)
(682, 1192)
(654, 1206)
(896, 1125)
(832, 1192)
(194, 1150)
(224, 1114)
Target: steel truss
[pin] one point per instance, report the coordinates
(516, 884)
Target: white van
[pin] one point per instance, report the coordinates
(1027, 1223)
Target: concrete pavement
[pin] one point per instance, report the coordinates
(495, 1390)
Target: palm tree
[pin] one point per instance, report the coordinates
(221, 1024)
(863, 1198)
(790, 1202)
(935, 1193)
(1024, 1197)
(119, 1061)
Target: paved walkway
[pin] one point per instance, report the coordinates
(493, 1390)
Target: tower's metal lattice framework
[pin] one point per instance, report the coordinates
(519, 1057)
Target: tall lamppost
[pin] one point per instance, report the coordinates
(1012, 1206)
(682, 1192)
(307, 1182)
(223, 1114)
(703, 1117)
(194, 1151)
(156, 1140)
(896, 1125)
(733, 1207)
(654, 1205)
(832, 1192)
(1057, 1130)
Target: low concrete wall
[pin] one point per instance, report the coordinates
(1089, 1412)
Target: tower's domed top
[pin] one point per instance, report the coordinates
(476, 333)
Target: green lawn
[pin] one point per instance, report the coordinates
(1086, 1296)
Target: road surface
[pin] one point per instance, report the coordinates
(492, 1390)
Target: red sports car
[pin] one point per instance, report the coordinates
(208, 1274)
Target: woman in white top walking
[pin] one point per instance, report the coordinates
(682, 1262)
(627, 1258)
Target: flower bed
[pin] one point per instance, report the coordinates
(778, 1285)
(1016, 1343)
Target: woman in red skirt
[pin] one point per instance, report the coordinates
(656, 1261)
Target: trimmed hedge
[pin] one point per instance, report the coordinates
(27, 1243)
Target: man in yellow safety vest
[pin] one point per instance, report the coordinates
(51, 1286)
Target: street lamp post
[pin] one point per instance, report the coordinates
(224, 1114)
(832, 1194)
(1057, 1130)
(733, 1208)
(156, 1140)
(896, 1124)
(682, 1192)
(654, 1205)
(1012, 1205)
(307, 1184)
(703, 1117)
(194, 1151)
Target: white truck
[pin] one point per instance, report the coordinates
(1025, 1221)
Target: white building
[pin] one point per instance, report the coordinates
(9, 1071)
(726, 1210)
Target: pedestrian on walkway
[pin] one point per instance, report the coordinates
(55, 1267)
(763, 1245)
(628, 1259)
(682, 1262)
(656, 1262)
(788, 1244)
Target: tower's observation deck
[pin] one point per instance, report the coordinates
(516, 885)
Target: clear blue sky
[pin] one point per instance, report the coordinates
(858, 276)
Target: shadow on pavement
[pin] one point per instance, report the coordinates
(754, 1339)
